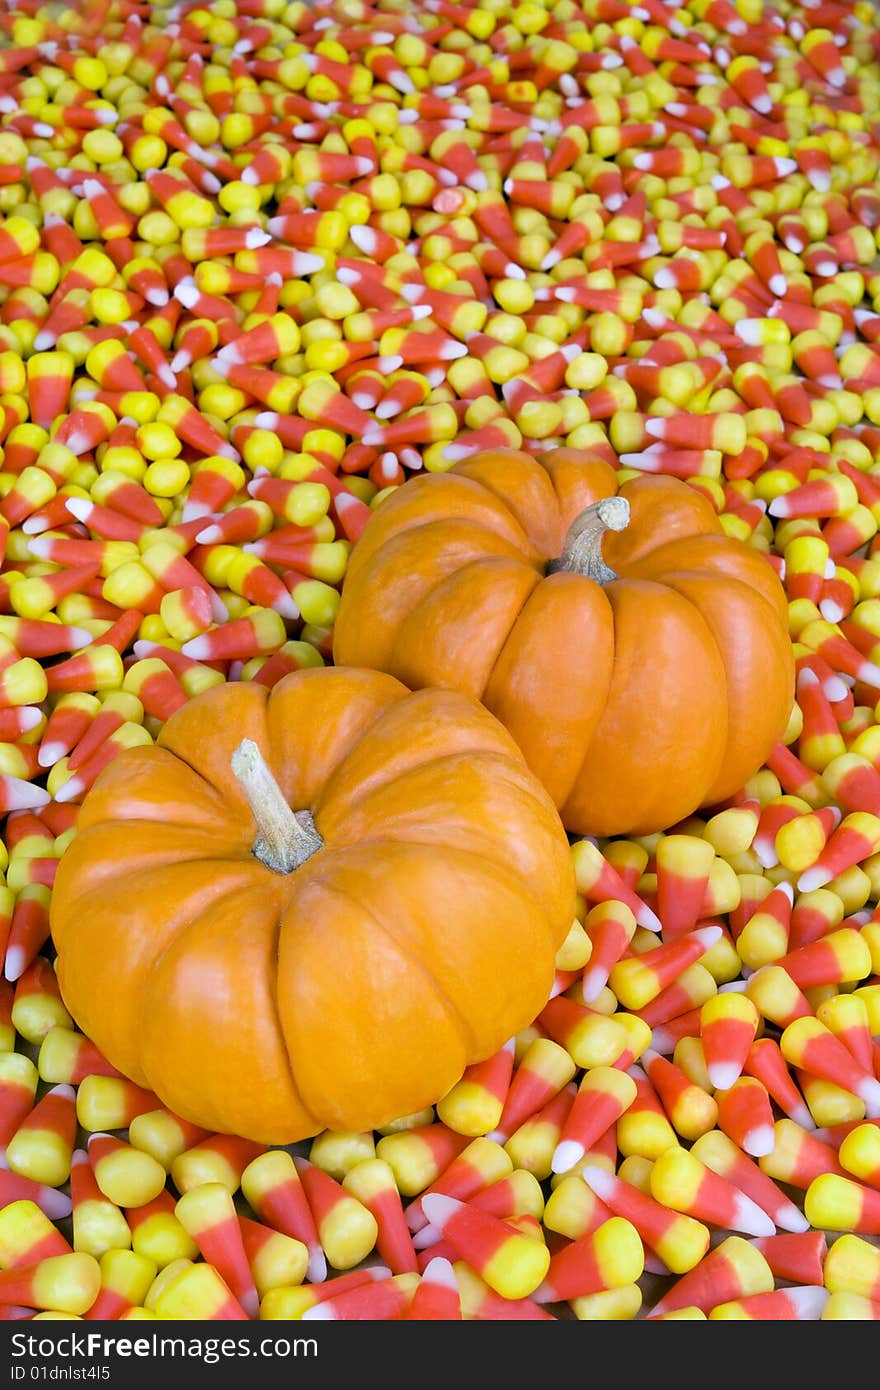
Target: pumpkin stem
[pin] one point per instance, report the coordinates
(286, 838)
(582, 549)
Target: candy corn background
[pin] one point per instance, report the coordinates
(261, 262)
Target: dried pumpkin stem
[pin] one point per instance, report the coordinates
(286, 839)
(582, 550)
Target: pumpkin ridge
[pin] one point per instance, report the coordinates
(120, 785)
(193, 925)
(137, 888)
(482, 734)
(377, 599)
(500, 770)
(716, 562)
(421, 844)
(728, 580)
(482, 469)
(507, 638)
(172, 941)
(447, 520)
(502, 654)
(614, 661)
(618, 657)
(561, 481)
(415, 616)
(404, 948)
(490, 501)
(488, 870)
(225, 853)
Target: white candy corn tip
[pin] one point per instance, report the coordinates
(317, 1266)
(790, 1218)
(869, 1092)
(813, 878)
(50, 753)
(594, 980)
(24, 796)
(439, 1209)
(80, 507)
(254, 237)
(439, 1271)
(305, 263)
(647, 918)
(425, 1237)
(808, 1300)
(71, 790)
(566, 1155)
(545, 1293)
(187, 293)
(599, 1180)
(723, 1074)
(54, 1204)
(760, 1141)
(319, 1312)
(15, 964)
(708, 936)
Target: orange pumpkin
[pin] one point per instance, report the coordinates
(271, 974)
(639, 656)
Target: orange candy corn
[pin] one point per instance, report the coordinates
(600, 882)
(603, 1096)
(346, 1228)
(127, 1176)
(156, 1233)
(98, 1223)
(436, 1298)
(379, 1300)
(63, 1283)
(680, 1181)
(275, 1260)
(473, 1169)
(728, 1023)
(19, 1079)
(208, 1214)
(272, 1186)
(683, 865)
(798, 1258)
(199, 1294)
(732, 1270)
(679, 1240)
(42, 1146)
(691, 1110)
(810, 1046)
(638, 979)
(798, 1156)
(372, 1183)
(512, 1264)
(745, 1115)
(544, 1069)
(475, 1104)
(610, 1257)
(125, 1280)
(610, 927)
(804, 1304)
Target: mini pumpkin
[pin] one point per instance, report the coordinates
(639, 656)
(272, 972)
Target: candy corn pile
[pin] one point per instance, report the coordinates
(261, 262)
